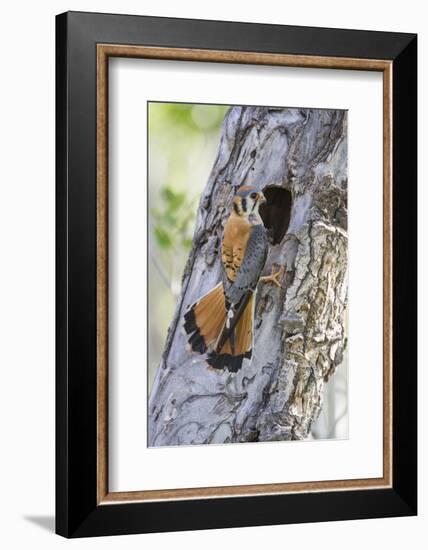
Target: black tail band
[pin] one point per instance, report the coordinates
(221, 361)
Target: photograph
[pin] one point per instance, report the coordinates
(213, 255)
(247, 273)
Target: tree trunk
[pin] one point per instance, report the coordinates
(299, 158)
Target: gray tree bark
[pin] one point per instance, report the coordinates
(299, 329)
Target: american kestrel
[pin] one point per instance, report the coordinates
(220, 323)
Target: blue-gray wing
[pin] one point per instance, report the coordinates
(251, 267)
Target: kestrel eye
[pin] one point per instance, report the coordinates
(253, 195)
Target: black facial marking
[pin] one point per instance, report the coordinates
(244, 204)
(235, 208)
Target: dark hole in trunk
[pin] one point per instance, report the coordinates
(276, 212)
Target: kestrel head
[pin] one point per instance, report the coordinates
(247, 200)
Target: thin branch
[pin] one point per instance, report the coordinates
(161, 272)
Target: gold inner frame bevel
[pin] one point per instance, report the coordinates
(104, 51)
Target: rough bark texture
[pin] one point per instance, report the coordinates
(299, 329)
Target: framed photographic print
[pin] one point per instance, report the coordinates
(236, 274)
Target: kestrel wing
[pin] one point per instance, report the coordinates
(251, 266)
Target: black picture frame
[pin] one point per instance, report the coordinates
(77, 511)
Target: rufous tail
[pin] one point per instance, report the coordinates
(204, 324)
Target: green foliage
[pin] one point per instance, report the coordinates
(192, 118)
(173, 221)
(163, 238)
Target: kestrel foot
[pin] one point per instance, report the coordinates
(273, 278)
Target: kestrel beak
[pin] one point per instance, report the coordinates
(262, 198)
